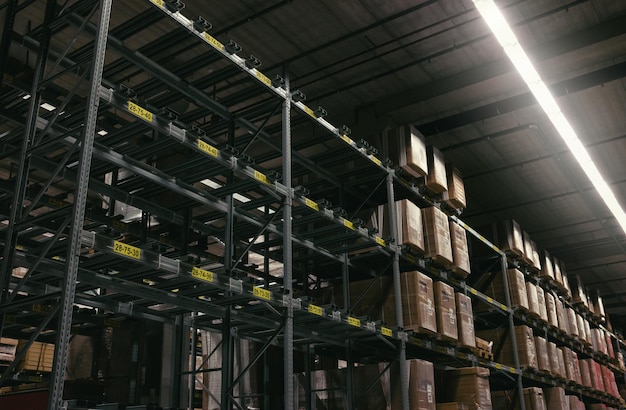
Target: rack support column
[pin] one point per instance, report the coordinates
(68, 289)
(397, 291)
(287, 247)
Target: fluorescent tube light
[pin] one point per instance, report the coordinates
(48, 107)
(513, 49)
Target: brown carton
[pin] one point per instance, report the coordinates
(541, 302)
(418, 304)
(543, 359)
(465, 320)
(580, 323)
(560, 312)
(556, 398)
(451, 406)
(575, 403)
(407, 149)
(578, 289)
(551, 309)
(517, 289)
(596, 375)
(437, 238)
(446, 311)
(547, 267)
(528, 250)
(469, 385)
(421, 387)
(554, 360)
(410, 227)
(455, 195)
(525, 346)
(560, 355)
(511, 238)
(533, 399)
(8, 347)
(460, 252)
(436, 180)
(572, 321)
(38, 357)
(533, 303)
(585, 372)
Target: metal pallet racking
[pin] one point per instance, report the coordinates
(73, 250)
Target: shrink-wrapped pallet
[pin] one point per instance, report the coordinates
(465, 320)
(437, 241)
(436, 180)
(407, 149)
(517, 289)
(460, 251)
(525, 345)
(469, 385)
(455, 195)
(446, 311)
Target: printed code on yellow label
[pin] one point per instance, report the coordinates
(473, 291)
(346, 139)
(502, 306)
(316, 310)
(311, 204)
(309, 111)
(348, 224)
(264, 79)
(139, 111)
(126, 250)
(498, 366)
(19, 247)
(376, 160)
(56, 202)
(208, 148)
(35, 378)
(489, 299)
(261, 293)
(261, 177)
(352, 321)
(512, 369)
(379, 240)
(213, 42)
(202, 274)
(386, 331)
(158, 2)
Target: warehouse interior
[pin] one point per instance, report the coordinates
(160, 243)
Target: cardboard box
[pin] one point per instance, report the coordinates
(451, 406)
(407, 149)
(421, 387)
(560, 355)
(541, 302)
(38, 358)
(609, 344)
(528, 250)
(595, 371)
(562, 316)
(410, 226)
(437, 239)
(578, 290)
(445, 303)
(575, 403)
(556, 398)
(598, 341)
(572, 372)
(585, 373)
(533, 303)
(580, 325)
(8, 347)
(555, 364)
(469, 385)
(465, 320)
(510, 235)
(418, 303)
(503, 348)
(436, 180)
(598, 304)
(455, 195)
(533, 399)
(536, 258)
(543, 359)
(547, 267)
(517, 290)
(460, 251)
(553, 319)
(572, 321)
(587, 331)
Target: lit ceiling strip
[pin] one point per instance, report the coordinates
(513, 49)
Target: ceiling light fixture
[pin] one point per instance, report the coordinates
(513, 49)
(48, 107)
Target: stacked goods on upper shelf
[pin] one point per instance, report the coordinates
(543, 358)
(469, 386)
(578, 291)
(510, 237)
(436, 180)
(437, 238)
(517, 289)
(409, 225)
(525, 346)
(407, 149)
(460, 251)
(531, 255)
(465, 320)
(547, 269)
(598, 305)
(446, 311)
(455, 195)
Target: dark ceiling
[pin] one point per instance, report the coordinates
(374, 64)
